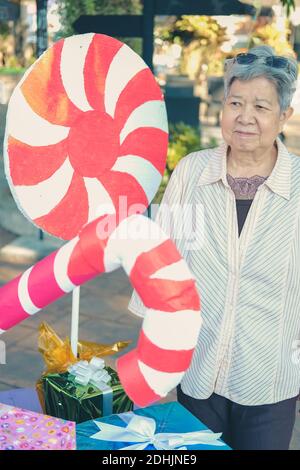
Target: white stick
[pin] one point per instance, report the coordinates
(75, 320)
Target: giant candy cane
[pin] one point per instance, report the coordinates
(156, 270)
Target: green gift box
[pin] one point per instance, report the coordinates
(66, 399)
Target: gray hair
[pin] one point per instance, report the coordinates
(284, 80)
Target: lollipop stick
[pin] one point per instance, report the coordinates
(75, 320)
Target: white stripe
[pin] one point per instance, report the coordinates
(99, 200)
(24, 296)
(142, 170)
(174, 272)
(28, 127)
(160, 382)
(124, 66)
(149, 114)
(134, 235)
(172, 330)
(61, 263)
(40, 199)
(73, 57)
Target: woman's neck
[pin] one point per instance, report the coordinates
(248, 164)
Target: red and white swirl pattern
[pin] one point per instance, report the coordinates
(156, 270)
(86, 125)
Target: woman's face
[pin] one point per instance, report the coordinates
(251, 118)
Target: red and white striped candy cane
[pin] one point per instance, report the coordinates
(156, 270)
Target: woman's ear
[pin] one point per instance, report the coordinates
(285, 116)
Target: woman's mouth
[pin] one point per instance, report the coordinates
(245, 134)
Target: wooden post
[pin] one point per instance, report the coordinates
(148, 29)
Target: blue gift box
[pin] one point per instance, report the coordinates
(169, 417)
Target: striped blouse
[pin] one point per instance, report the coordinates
(248, 349)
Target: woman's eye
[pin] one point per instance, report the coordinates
(235, 103)
(260, 107)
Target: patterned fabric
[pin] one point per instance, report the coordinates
(25, 430)
(249, 343)
(245, 188)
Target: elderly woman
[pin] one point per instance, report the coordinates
(244, 377)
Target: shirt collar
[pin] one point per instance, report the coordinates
(279, 180)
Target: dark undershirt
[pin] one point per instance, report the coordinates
(242, 208)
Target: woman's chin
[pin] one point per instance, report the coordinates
(243, 143)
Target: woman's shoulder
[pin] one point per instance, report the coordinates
(295, 166)
(295, 158)
(193, 164)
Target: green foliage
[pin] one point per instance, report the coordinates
(201, 38)
(70, 10)
(204, 29)
(11, 70)
(183, 139)
(4, 30)
(4, 33)
(289, 6)
(12, 65)
(277, 39)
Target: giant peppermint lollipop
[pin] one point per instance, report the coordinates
(86, 126)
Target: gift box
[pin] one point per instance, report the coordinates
(66, 399)
(83, 394)
(162, 427)
(25, 430)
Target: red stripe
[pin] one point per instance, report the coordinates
(30, 165)
(92, 246)
(140, 89)
(125, 192)
(133, 380)
(98, 59)
(168, 296)
(80, 270)
(67, 218)
(149, 143)
(42, 286)
(11, 310)
(160, 359)
(163, 294)
(87, 260)
(44, 91)
(158, 257)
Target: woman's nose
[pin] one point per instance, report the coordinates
(246, 115)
